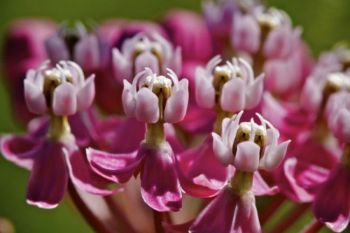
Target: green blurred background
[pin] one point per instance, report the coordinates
(324, 22)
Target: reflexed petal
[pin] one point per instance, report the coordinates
(200, 173)
(64, 101)
(218, 215)
(160, 187)
(49, 177)
(332, 203)
(147, 108)
(247, 156)
(261, 188)
(247, 219)
(114, 167)
(86, 94)
(34, 97)
(205, 92)
(84, 177)
(176, 105)
(20, 150)
(233, 95)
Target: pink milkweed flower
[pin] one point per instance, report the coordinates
(247, 146)
(75, 43)
(61, 90)
(24, 49)
(151, 97)
(231, 86)
(155, 100)
(143, 51)
(265, 31)
(332, 202)
(51, 152)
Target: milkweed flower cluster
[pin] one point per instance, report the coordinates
(186, 121)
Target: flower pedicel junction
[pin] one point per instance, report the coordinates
(183, 125)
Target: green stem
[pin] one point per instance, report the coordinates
(241, 182)
(59, 127)
(155, 134)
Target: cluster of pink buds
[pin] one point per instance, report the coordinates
(182, 125)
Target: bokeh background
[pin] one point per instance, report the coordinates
(324, 23)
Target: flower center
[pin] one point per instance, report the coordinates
(52, 79)
(244, 133)
(336, 82)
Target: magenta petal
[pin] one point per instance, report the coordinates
(147, 109)
(34, 96)
(144, 60)
(200, 172)
(84, 177)
(332, 202)
(86, 94)
(20, 149)
(233, 95)
(64, 101)
(160, 187)
(49, 178)
(56, 49)
(87, 52)
(114, 167)
(218, 215)
(176, 106)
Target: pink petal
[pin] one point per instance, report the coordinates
(122, 66)
(86, 94)
(341, 128)
(84, 177)
(279, 43)
(195, 123)
(128, 98)
(20, 149)
(245, 34)
(222, 152)
(205, 93)
(247, 156)
(176, 105)
(144, 60)
(219, 213)
(87, 52)
(34, 96)
(114, 167)
(233, 95)
(56, 49)
(200, 172)
(160, 187)
(49, 177)
(64, 102)
(147, 109)
(274, 156)
(254, 92)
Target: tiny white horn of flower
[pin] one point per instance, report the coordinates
(252, 129)
(275, 134)
(172, 76)
(231, 132)
(212, 64)
(262, 120)
(138, 76)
